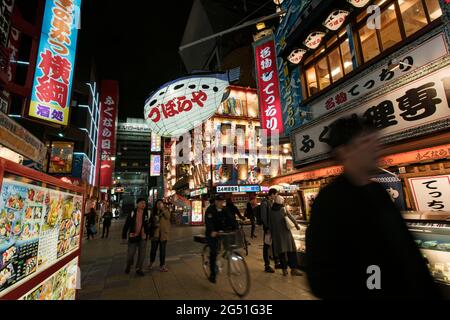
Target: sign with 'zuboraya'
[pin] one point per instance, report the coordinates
(50, 97)
(411, 110)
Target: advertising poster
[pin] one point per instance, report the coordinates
(55, 65)
(38, 226)
(309, 195)
(393, 186)
(197, 214)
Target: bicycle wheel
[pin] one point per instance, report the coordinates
(238, 274)
(205, 261)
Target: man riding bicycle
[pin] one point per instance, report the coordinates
(217, 219)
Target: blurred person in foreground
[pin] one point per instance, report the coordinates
(355, 225)
(217, 218)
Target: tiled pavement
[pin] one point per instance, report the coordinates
(103, 277)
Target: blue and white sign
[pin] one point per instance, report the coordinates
(155, 165)
(393, 186)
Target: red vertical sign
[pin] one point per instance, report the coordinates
(107, 130)
(268, 85)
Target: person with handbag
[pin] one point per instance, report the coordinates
(283, 243)
(159, 233)
(136, 229)
(91, 218)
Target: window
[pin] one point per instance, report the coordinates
(413, 15)
(311, 81)
(434, 9)
(346, 57)
(323, 73)
(335, 65)
(369, 43)
(390, 31)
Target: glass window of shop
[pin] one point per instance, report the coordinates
(328, 64)
(400, 19)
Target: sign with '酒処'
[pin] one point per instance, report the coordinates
(50, 97)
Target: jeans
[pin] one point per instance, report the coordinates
(162, 252)
(105, 228)
(89, 232)
(213, 249)
(291, 260)
(140, 246)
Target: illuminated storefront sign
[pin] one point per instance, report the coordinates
(421, 103)
(199, 192)
(155, 165)
(227, 189)
(431, 193)
(155, 143)
(185, 103)
(268, 85)
(50, 97)
(249, 189)
(336, 19)
(107, 130)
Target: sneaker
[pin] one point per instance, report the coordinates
(285, 272)
(278, 266)
(295, 272)
(164, 269)
(212, 279)
(268, 269)
(127, 270)
(139, 273)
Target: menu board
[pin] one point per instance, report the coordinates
(197, 215)
(38, 226)
(59, 286)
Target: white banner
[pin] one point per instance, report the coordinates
(431, 193)
(419, 103)
(425, 53)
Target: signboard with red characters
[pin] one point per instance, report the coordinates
(50, 97)
(336, 19)
(268, 85)
(109, 97)
(185, 103)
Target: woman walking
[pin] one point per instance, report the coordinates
(160, 236)
(91, 218)
(282, 241)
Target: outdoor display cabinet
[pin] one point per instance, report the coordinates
(41, 222)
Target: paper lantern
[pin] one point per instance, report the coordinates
(336, 19)
(183, 104)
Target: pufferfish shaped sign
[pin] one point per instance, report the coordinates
(183, 104)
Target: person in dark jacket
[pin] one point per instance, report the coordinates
(233, 209)
(265, 207)
(250, 214)
(136, 229)
(217, 218)
(91, 218)
(107, 218)
(357, 243)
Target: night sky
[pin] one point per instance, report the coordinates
(136, 42)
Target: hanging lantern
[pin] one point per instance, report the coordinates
(358, 3)
(336, 19)
(296, 56)
(313, 40)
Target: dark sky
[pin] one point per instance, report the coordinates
(136, 42)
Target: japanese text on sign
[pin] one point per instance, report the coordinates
(50, 98)
(268, 86)
(420, 102)
(431, 193)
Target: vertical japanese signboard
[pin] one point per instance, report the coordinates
(155, 143)
(431, 193)
(268, 85)
(50, 96)
(155, 165)
(107, 130)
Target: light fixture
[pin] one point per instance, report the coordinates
(260, 26)
(113, 158)
(61, 135)
(15, 115)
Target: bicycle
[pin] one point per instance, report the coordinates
(228, 253)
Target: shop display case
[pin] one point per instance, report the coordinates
(41, 220)
(431, 232)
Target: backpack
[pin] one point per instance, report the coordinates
(257, 211)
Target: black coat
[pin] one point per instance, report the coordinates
(130, 223)
(219, 221)
(352, 228)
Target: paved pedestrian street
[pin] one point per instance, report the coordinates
(103, 277)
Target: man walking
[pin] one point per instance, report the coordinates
(265, 206)
(135, 227)
(357, 243)
(107, 217)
